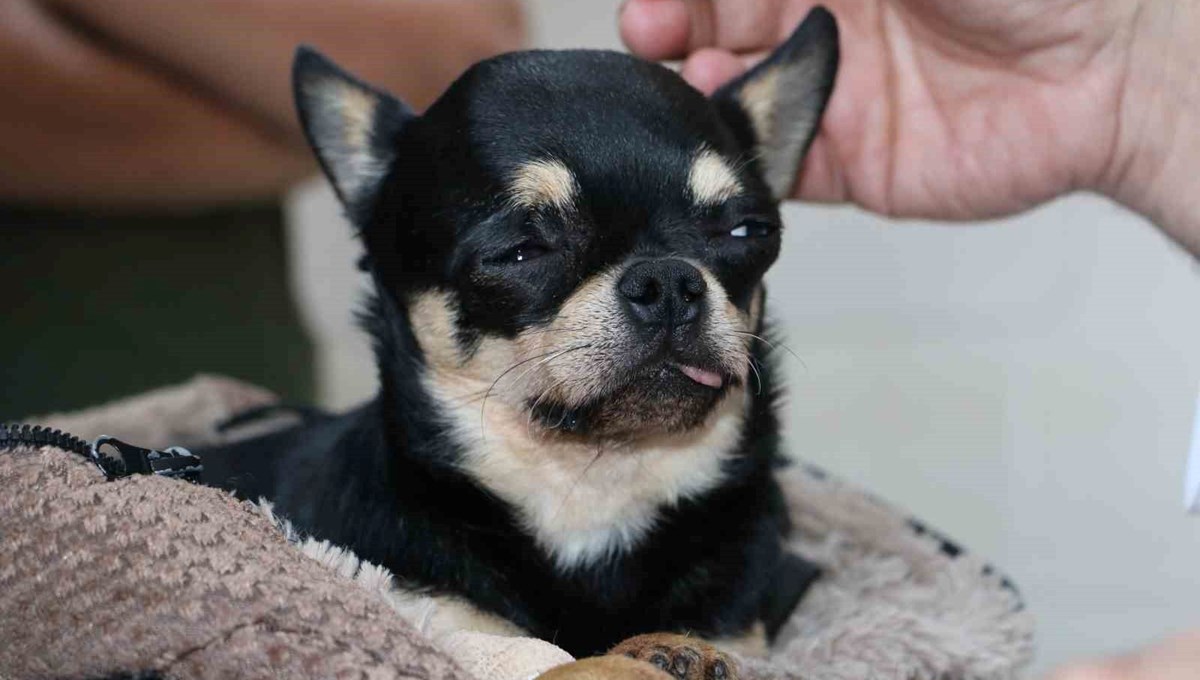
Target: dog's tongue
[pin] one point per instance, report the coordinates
(706, 378)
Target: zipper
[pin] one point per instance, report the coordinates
(174, 461)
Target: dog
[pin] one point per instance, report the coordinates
(575, 434)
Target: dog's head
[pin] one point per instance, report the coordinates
(582, 233)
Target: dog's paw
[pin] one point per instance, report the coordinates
(605, 668)
(686, 658)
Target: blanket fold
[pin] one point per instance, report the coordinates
(150, 574)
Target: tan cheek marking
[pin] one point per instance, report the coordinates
(725, 320)
(467, 376)
(711, 180)
(592, 321)
(562, 361)
(432, 318)
(543, 182)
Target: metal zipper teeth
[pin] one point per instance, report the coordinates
(13, 435)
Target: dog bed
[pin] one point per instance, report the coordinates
(149, 577)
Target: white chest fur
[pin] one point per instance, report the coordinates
(584, 503)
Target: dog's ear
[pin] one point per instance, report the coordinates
(776, 106)
(351, 126)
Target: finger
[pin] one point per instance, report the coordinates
(671, 29)
(707, 69)
(655, 29)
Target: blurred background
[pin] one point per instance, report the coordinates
(1026, 386)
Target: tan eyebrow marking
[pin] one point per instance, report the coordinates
(711, 180)
(543, 182)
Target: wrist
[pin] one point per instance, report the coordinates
(1155, 162)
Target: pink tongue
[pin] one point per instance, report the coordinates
(707, 378)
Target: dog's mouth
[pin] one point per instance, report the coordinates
(667, 396)
(616, 375)
(702, 376)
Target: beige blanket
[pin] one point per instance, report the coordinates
(149, 574)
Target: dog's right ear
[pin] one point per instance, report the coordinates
(351, 126)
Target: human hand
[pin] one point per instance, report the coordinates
(966, 109)
(1175, 659)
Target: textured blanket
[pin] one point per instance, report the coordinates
(154, 576)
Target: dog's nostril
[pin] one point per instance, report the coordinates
(649, 293)
(641, 290)
(692, 288)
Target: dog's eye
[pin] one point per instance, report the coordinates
(527, 253)
(752, 229)
(523, 253)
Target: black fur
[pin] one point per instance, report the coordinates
(710, 566)
(384, 479)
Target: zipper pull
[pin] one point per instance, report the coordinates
(175, 462)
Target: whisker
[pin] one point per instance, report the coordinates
(543, 331)
(751, 361)
(495, 382)
(552, 356)
(537, 402)
(774, 346)
(546, 362)
(473, 396)
(470, 397)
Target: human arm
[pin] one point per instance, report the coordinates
(94, 118)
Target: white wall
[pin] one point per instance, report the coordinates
(1028, 387)
(1025, 386)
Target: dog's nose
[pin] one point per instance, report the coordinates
(665, 292)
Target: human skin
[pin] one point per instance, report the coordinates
(138, 103)
(1175, 659)
(970, 109)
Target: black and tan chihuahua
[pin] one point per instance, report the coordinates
(575, 432)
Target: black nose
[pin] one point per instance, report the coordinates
(663, 292)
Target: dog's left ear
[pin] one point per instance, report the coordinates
(776, 107)
(351, 126)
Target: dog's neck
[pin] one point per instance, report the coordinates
(581, 501)
(584, 501)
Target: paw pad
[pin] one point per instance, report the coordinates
(685, 658)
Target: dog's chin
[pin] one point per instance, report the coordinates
(663, 399)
